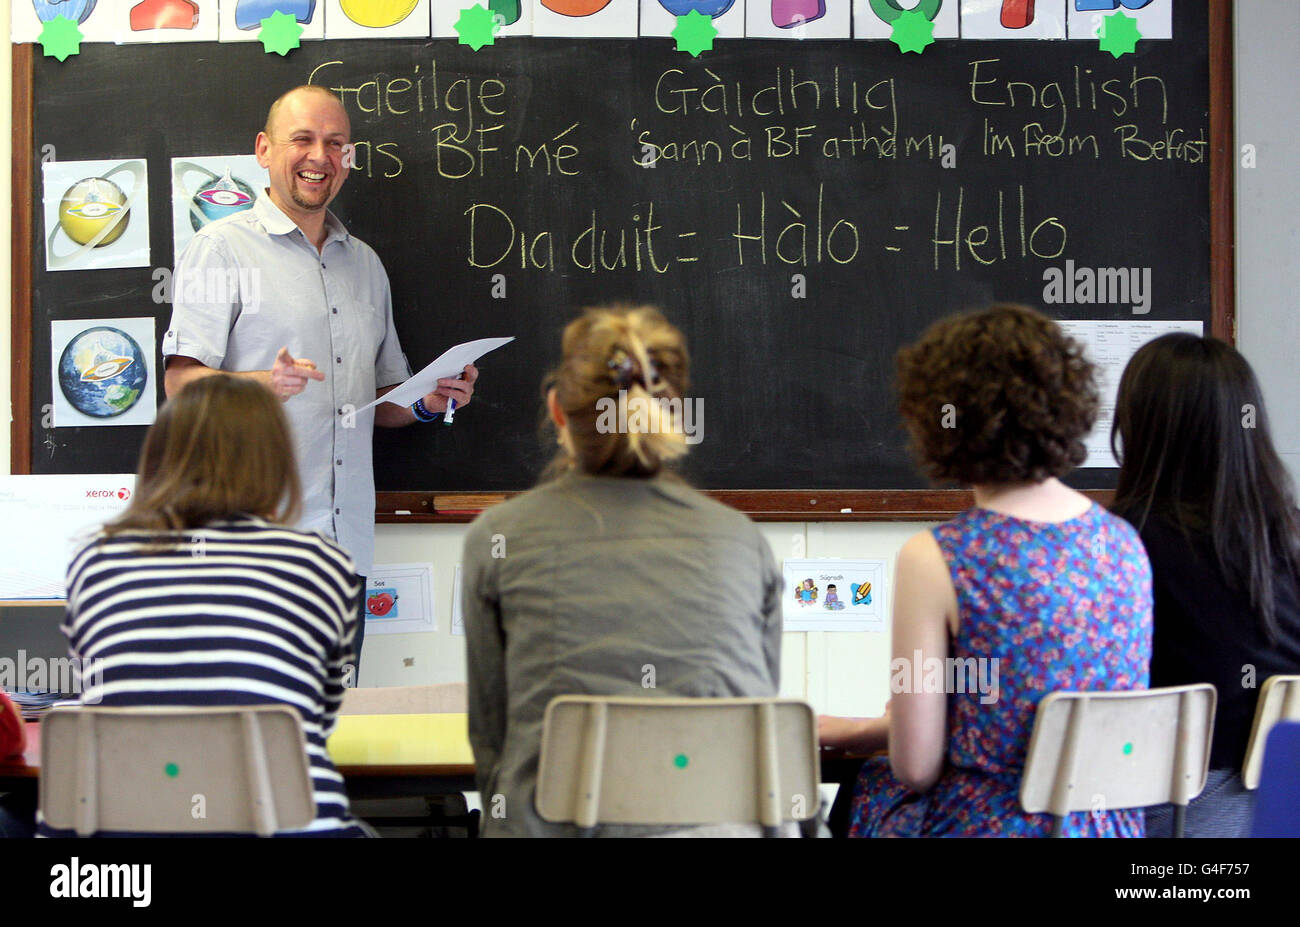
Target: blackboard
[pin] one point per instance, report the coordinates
(921, 185)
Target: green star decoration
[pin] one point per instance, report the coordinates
(476, 27)
(912, 32)
(61, 38)
(1119, 34)
(694, 33)
(280, 33)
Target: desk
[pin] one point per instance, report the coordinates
(389, 756)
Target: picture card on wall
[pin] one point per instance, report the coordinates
(94, 21)
(834, 595)
(398, 599)
(241, 20)
(515, 16)
(589, 19)
(799, 19)
(205, 189)
(659, 17)
(870, 24)
(168, 21)
(103, 372)
(376, 19)
(96, 214)
(1013, 19)
(1155, 18)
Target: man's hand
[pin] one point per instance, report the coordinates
(461, 390)
(289, 376)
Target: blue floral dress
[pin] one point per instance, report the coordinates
(1064, 606)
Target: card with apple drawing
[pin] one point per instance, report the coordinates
(398, 599)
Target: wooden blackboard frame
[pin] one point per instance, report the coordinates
(763, 505)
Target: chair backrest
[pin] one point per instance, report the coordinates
(175, 770)
(447, 698)
(1113, 750)
(685, 761)
(1279, 700)
(1277, 807)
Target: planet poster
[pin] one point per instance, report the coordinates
(96, 214)
(103, 372)
(208, 188)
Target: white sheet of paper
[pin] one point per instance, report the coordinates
(451, 363)
(457, 609)
(399, 599)
(810, 604)
(1110, 344)
(57, 514)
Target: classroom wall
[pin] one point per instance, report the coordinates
(847, 673)
(1268, 227)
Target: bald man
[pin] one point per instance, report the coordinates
(283, 294)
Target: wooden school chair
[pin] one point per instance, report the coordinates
(1119, 750)
(432, 813)
(175, 770)
(678, 761)
(1279, 700)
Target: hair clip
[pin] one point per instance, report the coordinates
(623, 369)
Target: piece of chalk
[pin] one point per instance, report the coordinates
(402, 512)
(846, 510)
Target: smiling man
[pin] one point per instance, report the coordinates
(283, 294)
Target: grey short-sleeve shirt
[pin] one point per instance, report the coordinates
(252, 283)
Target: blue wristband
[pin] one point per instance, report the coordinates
(422, 412)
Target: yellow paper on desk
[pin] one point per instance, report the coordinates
(401, 740)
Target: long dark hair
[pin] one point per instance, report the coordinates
(1195, 450)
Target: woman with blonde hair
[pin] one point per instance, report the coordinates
(200, 596)
(611, 570)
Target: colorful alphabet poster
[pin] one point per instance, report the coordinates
(94, 21)
(659, 17)
(591, 19)
(874, 19)
(208, 188)
(1154, 17)
(1013, 19)
(398, 599)
(168, 21)
(799, 19)
(376, 19)
(96, 213)
(514, 17)
(834, 595)
(103, 372)
(241, 20)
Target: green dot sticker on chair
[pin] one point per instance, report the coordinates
(1128, 748)
(172, 770)
(681, 761)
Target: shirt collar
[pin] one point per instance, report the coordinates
(277, 222)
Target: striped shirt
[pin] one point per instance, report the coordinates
(241, 612)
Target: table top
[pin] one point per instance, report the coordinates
(362, 745)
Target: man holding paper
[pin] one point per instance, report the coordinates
(283, 294)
